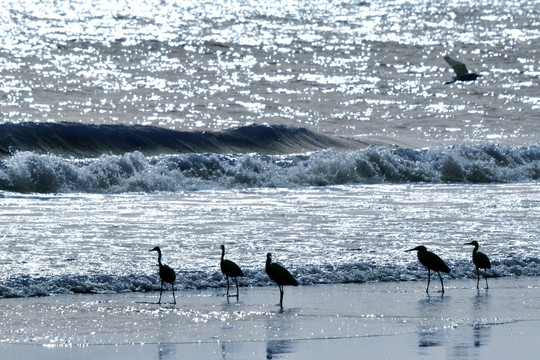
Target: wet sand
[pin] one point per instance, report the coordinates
(371, 320)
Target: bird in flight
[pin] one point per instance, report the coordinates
(462, 74)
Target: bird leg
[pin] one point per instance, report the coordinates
(236, 282)
(174, 297)
(280, 295)
(428, 280)
(227, 286)
(442, 285)
(478, 277)
(485, 277)
(160, 292)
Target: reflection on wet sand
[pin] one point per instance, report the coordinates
(279, 347)
(437, 327)
(280, 327)
(166, 351)
(431, 330)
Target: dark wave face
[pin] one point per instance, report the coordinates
(134, 172)
(85, 140)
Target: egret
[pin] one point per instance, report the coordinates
(166, 273)
(481, 261)
(230, 269)
(279, 275)
(432, 262)
(462, 74)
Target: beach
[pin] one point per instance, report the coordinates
(394, 320)
(322, 132)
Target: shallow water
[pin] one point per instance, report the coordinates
(81, 205)
(99, 243)
(393, 320)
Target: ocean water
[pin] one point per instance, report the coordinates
(320, 131)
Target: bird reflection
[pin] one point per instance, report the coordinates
(166, 351)
(481, 335)
(430, 332)
(278, 347)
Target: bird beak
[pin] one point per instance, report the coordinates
(467, 244)
(410, 250)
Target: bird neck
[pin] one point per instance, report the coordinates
(268, 262)
(475, 249)
(222, 254)
(159, 257)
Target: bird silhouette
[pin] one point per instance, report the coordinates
(481, 261)
(230, 269)
(279, 275)
(462, 74)
(166, 273)
(432, 262)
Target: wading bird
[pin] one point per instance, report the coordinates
(166, 273)
(279, 275)
(230, 269)
(462, 74)
(481, 261)
(432, 262)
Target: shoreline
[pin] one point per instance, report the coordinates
(397, 320)
(463, 343)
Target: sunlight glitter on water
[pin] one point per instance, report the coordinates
(306, 63)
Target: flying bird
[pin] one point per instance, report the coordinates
(481, 261)
(432, 262)
(166, 273)
(279, 275)
(230, 269)
(462, 74)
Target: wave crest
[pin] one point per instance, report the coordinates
(135, 172)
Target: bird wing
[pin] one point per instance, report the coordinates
(433, 261)
(281, 276)
(481, 260)
(230, 268)
(458, 66)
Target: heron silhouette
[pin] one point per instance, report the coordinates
(230, 269)
(462, 74)
(432, 262)
(166, 273)
(481, 261)
(279, 275)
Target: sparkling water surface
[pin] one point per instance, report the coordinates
(371, 70)
(100, 243)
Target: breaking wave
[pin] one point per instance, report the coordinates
(29, 172)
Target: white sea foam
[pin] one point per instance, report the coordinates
(134, 172)
(91, 243)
